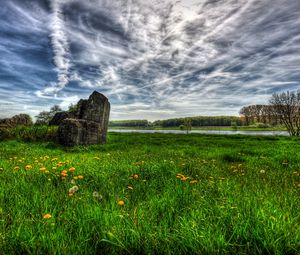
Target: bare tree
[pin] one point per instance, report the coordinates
(286, 107)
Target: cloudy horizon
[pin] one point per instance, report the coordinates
(153, 60)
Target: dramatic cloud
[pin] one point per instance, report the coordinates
(153, 59)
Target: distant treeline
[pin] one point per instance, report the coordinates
(259, 114)
(129, 123)
(199, 121)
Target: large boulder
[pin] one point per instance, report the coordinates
(87, 125)
(79, 132)
(60, 116)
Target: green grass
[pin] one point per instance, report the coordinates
(245, 200)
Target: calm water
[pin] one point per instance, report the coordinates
(211, 132)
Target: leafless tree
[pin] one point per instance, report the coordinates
(286, 107)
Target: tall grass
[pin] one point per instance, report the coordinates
(188, 194)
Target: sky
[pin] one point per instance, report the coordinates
(153, 59)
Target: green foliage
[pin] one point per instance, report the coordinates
(243, 196)
(73, 108)
(44, 117)
(32, 133)
(187, 125)
(199, 121)
(129, 123)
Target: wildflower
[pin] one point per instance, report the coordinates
(179, 176)
(28, 167)
(73, 190)
(75, 178)
(135, 176)
(42, 168)
(64, 173)
(47, 172)
(97, 195)
(130, 187)
(297, 185)
(121, 203)
(72, 169)
(47, 216)
(80, 177)
(184, 178)
(193, 182)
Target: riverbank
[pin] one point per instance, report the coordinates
(241, 128)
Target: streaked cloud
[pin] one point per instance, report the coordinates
(153, 59)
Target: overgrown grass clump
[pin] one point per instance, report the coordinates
(151, 194)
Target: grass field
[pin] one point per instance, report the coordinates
(151, 194)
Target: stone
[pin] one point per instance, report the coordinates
(20, 119)
(79, 132)
(60, 116)
(87, 125)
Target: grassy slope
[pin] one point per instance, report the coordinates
(245, 200)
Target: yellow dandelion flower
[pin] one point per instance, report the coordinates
(80, 177)
(135, 176)
(121, 203)
(47, 216)
(28, 167)
(72, 169)
(184, 178)
(297, 185)
(43, 169)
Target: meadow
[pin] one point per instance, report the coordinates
(151, 194)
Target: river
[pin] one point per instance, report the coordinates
(209, 132)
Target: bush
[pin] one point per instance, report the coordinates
(262, 125)
(4, 134)
(34, 133)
